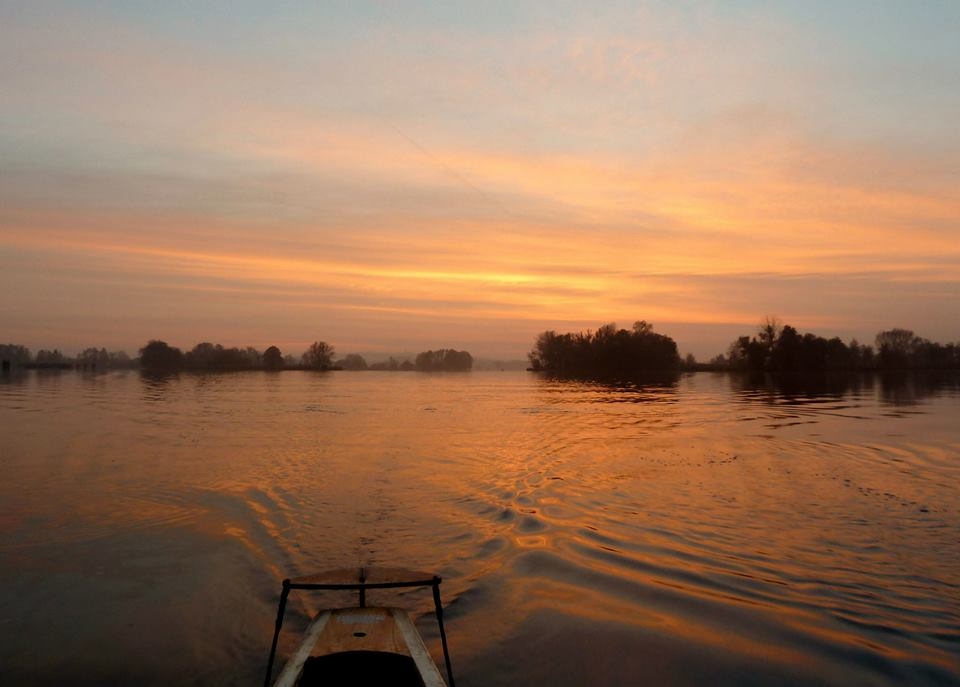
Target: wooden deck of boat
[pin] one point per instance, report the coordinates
(361, 629)
(357, 646)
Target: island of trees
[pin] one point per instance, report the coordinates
(610, 352)
(782, 349)
(607, 352)
(444, 360)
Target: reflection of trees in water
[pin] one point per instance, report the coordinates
(896, 387)
(15, 376)
(779, 387)
(156, 383)
(634, 389)
(902, 388)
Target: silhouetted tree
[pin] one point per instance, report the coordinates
(100, 359)
(272, 358)
(837, 355)
(896, 347)
(770, 330)
(353, 361)
(231, 359)
(936, 356)
(861, 356)
(902, 349)
(202, 356)
(779, 348)
(14, 355)
(157, 355)
(747, 353)
(445, 359)
(608, 352)
(553, 350)
(214, 357)
(94, 358)
(319, 356)
(758, 352)
(787, 350)
(791, 352)
(54, 356)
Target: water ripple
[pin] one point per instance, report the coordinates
(720, 533)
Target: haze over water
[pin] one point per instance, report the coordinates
(702, 532)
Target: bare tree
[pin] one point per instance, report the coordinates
(896, 347)
(318, 357)
(770, 330)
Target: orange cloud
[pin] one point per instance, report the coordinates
(569, 175)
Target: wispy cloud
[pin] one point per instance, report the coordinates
(679, 164)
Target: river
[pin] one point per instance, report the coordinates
(704, 531)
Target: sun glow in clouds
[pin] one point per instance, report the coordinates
(391, 176)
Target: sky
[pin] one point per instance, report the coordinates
(396, 176)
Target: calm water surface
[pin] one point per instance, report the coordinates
(703, 532)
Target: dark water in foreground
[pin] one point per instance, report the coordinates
(707, 532)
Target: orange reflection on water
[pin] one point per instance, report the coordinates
(691, 518)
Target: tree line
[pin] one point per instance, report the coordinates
(158, 355)
(611, 352)
(781, 348)
(15, 355)
(606, 352)
(444, 360)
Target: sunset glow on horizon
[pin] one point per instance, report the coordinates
(394, 177)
